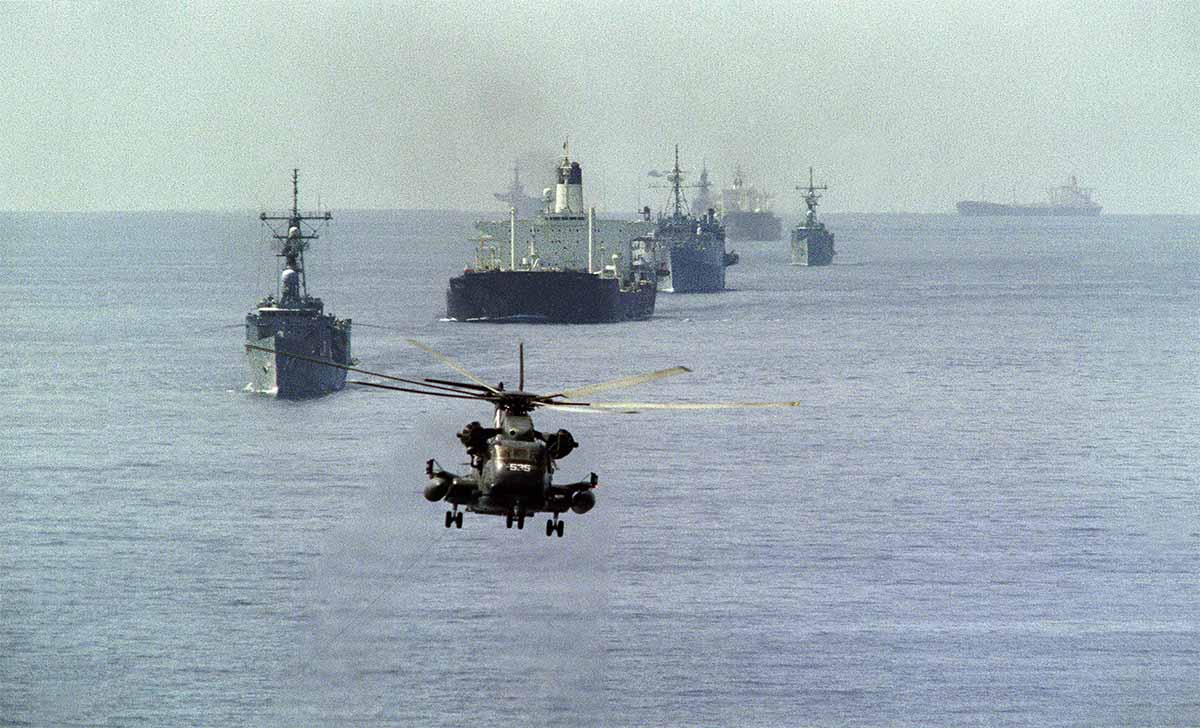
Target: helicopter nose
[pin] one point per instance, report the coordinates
(516, 482)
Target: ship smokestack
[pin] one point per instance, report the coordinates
(568, 193)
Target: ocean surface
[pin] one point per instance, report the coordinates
(985, 514)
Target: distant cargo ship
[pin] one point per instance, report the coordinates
(746, 213)
(1069, 199)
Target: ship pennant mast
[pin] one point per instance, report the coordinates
(677, 186)
(810, 194)
(295, 240)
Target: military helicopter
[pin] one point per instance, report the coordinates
(512, 464)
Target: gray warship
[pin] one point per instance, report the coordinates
(514, 197)
(690, 249)
(702, 200)
(812, 244)
(746, 213)
(291, 321)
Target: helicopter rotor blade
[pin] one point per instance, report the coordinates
(619, 383)
(521, 362)
(633, 407)
(336, 365)
(460, 385)
(448, 361)
(580, 407)
(377, 385)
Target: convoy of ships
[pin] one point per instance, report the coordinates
(553, 260)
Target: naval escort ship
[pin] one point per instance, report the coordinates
(514, 197)
(745, 212)
(563, 265)
(692, 248)
(1068, 199)
(703, 199)
(812, 244)
(291, 321)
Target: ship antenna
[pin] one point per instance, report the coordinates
(675, 181)
(293, 246)
(295, 222)
(810, 194)
(295, 192)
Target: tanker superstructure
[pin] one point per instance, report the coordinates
(812, 243)
(292, 321)
(746, 212)
(690, 248)
(562, 266)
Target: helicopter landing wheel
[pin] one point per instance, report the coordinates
(508, 521)
(458, 519)
(449, 518)
(521, 521)
(549, 528)
(559, 528)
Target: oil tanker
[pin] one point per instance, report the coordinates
(562, 266)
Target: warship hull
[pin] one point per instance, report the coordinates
(752, 226)
(812, 247)
(698, 269)
(547, 296)
(296, 331)
(969, 208)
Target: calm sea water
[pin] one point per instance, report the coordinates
(986, 513)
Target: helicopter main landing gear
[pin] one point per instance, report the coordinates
(454, 517)
(519, 519)
(555, 526)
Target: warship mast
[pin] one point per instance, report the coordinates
(811, 197)
(294, 240)
(676, 179)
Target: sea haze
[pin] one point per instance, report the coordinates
(985, 513)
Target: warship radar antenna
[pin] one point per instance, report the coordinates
(298, 234)
(810, 195)
(676, 179)
(678, 201)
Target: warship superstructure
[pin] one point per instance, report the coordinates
(515, 198)
(292, 321)
(702, 201)
(562, 266)
(1068, 199)
(746, 212)
(812, 244)
(691, 247)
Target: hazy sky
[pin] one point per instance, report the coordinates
(900, 106)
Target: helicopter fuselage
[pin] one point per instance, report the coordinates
(511, 474)
(516, 471)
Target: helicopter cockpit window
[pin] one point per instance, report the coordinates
(515, 454)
